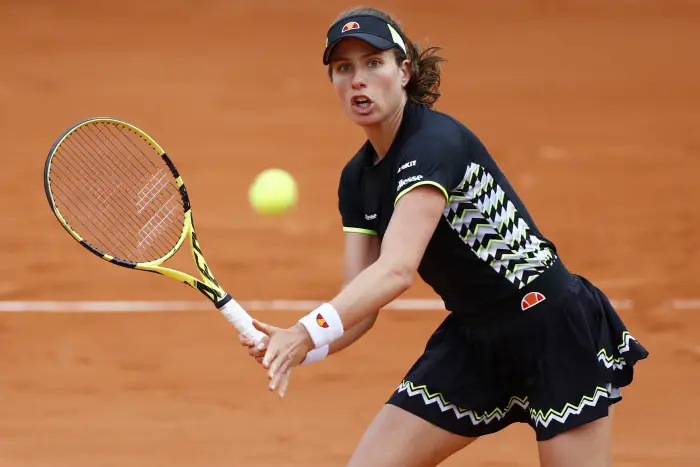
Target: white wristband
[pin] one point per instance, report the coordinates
(315, 355)
(323, 325)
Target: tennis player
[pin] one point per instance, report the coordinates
(526, 339)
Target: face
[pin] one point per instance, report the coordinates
(368, 82)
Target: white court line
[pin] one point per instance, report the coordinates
(199, 305)
(51, 306)
(686, 304)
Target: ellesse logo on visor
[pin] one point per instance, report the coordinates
(350, 26)
(530, 300)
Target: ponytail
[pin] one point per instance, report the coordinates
(424, 85)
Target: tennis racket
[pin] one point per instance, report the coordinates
(116, 191)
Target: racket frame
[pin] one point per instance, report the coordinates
(208, 285)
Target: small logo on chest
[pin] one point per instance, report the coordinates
(406, 166)
(406, 181)
(370, 217)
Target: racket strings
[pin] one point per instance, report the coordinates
(154, 199)
(133, 173)
(160, 190)
(105, 194)
(96, 179)
(110, 183)
(126, 173)
(86, 210)
(112, 204)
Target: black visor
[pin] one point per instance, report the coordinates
(375, 31)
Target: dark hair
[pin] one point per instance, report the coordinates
(424, 84)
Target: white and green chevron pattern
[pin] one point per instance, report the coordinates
(538, 416)
(444, 406)
(610, 361)
(486, 220)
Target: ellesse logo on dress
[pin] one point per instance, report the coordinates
(530, 300)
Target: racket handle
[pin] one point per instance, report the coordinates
(241, 320)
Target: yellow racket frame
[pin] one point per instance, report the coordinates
(208, 285)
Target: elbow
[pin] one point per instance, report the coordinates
(402, 276)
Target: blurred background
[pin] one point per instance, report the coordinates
(589, 107)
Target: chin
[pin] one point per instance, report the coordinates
(365, 120)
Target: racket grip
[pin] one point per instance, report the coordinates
(241, 320)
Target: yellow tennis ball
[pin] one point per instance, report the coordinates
(273, 192)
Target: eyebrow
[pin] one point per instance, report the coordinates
(364, 55)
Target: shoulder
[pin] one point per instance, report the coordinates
(437, 130)
(352, 170)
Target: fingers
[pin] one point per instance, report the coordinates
(277, 366)
(285, 367)
(248, 341)
(254, 352)
(245, 340)
(277, 357)
(270, 355)
(277, 378)
(279, 372)
(262, 343)
(264, 328)
(283, 352)
(285, 383)
(281, 377)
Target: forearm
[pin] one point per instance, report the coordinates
(361, 251)
(353, 334)
(373, 288)
(398, 257)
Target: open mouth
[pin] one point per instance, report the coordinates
(363, 102)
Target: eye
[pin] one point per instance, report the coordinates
(342, 68)
(373, 63)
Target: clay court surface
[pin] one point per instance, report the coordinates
(591, 109)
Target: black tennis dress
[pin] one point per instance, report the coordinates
(526, 340)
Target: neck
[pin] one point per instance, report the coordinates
(382, 135)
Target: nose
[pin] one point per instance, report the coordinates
(358, 80)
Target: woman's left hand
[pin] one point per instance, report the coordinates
(287, 348)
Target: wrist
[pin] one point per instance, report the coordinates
(323, 325)
(305, 336)
(315, 355)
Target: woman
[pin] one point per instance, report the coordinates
(526, 340)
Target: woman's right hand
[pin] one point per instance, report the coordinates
(257, 351)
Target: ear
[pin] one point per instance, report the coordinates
(405, 72)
